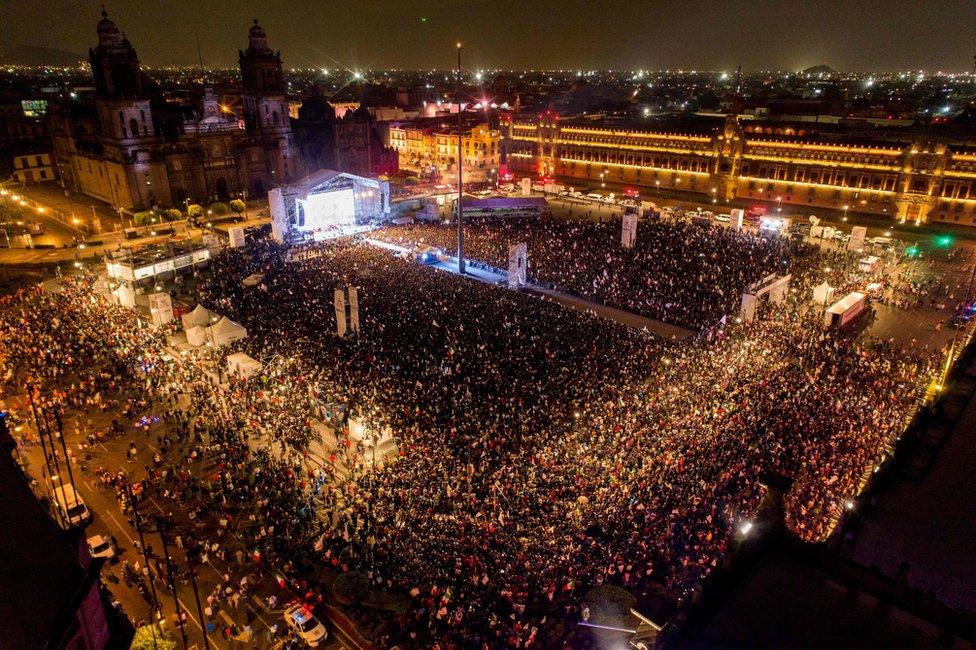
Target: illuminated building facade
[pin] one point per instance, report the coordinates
(424, 146)
(921, 181)
(134, 150)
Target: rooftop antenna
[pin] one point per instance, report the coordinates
(199, 53)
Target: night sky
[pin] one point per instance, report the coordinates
(690, 34)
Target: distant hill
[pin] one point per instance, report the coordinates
(823, 69)
(35, 55)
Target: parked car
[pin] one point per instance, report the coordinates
(303, 622)
(101, 546)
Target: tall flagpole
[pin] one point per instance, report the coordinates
(460, 227)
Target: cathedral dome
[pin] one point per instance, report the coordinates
(257, 37)
(108, 32)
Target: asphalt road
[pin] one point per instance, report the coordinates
(110, 519)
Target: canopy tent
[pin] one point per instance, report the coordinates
(224, 331)
(200, 316)
(823, 294)
(196, 335)
(243, 365)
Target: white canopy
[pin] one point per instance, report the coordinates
(199, 316)
(224, 331)
(243, 365)
(823, 294)
(196, 335)
(253, 280)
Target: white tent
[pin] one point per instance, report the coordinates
(243, 365)
(823, 294)
(253, 280)
(224, 331)
(196, 335)
(199, 316)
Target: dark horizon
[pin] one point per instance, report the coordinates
(870, 36)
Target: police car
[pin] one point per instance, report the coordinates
(304, 623)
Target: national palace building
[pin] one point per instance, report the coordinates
(917, 180)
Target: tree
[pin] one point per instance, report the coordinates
(219, 209)
(237, 206)
(173, 214)
(350, 588)
(143, 218)
(143, 639)
(411, 180)
(194, 211)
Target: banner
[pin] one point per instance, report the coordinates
(236, 235)
(340, 309)
(856, 242)
(628, 231)
(517, 262)
(738, 216)
(354, 309)
(160, 308)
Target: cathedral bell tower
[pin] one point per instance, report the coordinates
(262, 83)
(265, 104)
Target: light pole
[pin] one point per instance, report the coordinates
(460, 227)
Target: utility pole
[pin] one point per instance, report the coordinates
(162, 527)
(47, 457)
(192, 564)
(460, 227)
(137, 520)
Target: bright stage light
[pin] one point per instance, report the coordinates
(328, 209)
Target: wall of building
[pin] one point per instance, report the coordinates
(33, 168)
(918, 182)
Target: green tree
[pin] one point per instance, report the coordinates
(143, 639)
(219, 209)
(194, 211)
(143, 218)
(238, 206)
(350, 588)
(411, 180)
(173, 214)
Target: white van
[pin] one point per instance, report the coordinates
(595, 197)
(72, 507)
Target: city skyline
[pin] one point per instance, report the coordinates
(871, 36)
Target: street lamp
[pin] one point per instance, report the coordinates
(846, 208)
(460, 169)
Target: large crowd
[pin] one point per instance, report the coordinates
(676, 272)
(541, 451)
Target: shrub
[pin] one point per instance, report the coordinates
(194, 210)
(219, 209)
(143, 218)
(350, 588)
(173, 214)
(143, 639)
(237, 206)
(411, 180)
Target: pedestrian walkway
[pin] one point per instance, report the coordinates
(485, 274)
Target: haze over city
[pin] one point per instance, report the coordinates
(869, 35)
